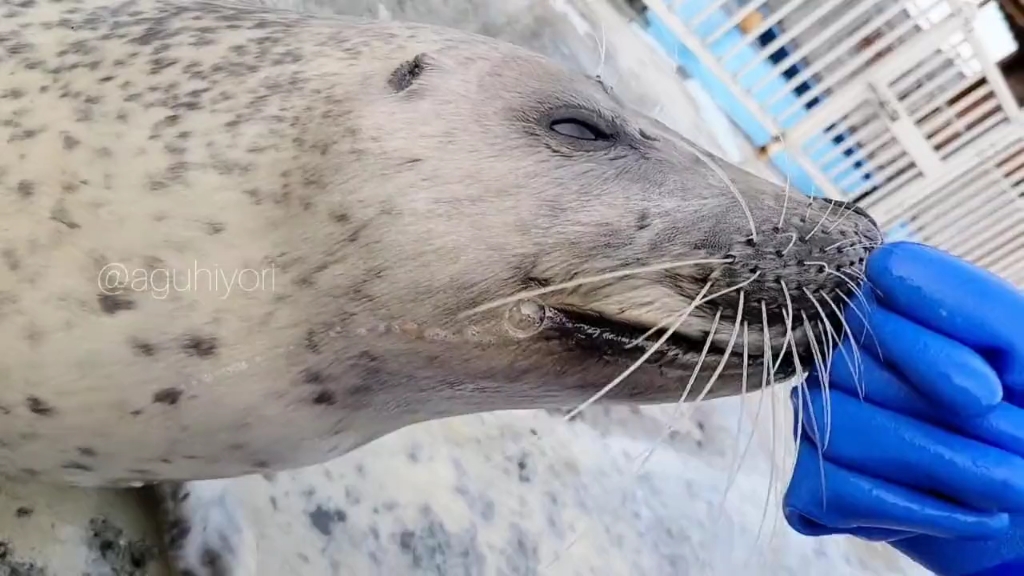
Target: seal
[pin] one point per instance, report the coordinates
(238, 239)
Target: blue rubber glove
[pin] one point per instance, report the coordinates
(932, 459)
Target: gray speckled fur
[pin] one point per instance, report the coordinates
(237, 137)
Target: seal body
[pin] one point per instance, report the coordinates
(237, 239)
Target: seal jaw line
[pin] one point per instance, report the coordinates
(614, 338)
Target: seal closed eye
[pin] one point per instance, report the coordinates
(581, 126)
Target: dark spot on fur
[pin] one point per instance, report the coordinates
(201, 346)
(340, 217)
(73, 465)
(324, 520)
(87, 451)
(169, 396)
(310, 376)
(11, 259)
(136, 413)
(360, 391)
(311, 341)
(524, 467)
(39, 406)
(24, 512)
(254, 195)
(143, 348)
(407, 73)
(114, 303)
(59, 213)
(69, 142)
(214, 228)
(26, 188)
(325, 398)
(643, 221)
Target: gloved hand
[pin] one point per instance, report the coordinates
(932, 459)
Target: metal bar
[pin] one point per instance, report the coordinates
(735, 20)
(820, 36)
(890, 65)
(701, 52)
(895, 204)
(976, 190)
(1006, 243)
(764, 26)
(780, 41)
(702, 15)
(995, 77)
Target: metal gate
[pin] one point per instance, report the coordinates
(891, 103)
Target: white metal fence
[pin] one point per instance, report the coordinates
(892, 103)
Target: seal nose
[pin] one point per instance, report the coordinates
(856, 210)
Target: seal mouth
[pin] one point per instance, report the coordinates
(612, 339)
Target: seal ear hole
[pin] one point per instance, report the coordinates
(407, 72)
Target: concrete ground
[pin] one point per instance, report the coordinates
(512, 494)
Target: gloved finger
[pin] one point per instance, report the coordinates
(958, 299)
(808, 527)
(883, 444)
(1003, 427)
(943, 370)
(826, 498)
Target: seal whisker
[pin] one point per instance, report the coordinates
(718, 371)
(792, 242)
(647, 334)
(863, 319)
(740, 455)
(819, 364)
(854, 287)
(832, 344)
(820, 222)
(589, 280)
(785, 197)
(801, 388)
(856, 363)
(870, 245)
(726, 354)
(841, 242)
(768, 387)
(860, 276)
(728, 182)
(668, 333)
(849, 210)
(789, 325)
(669, 427)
